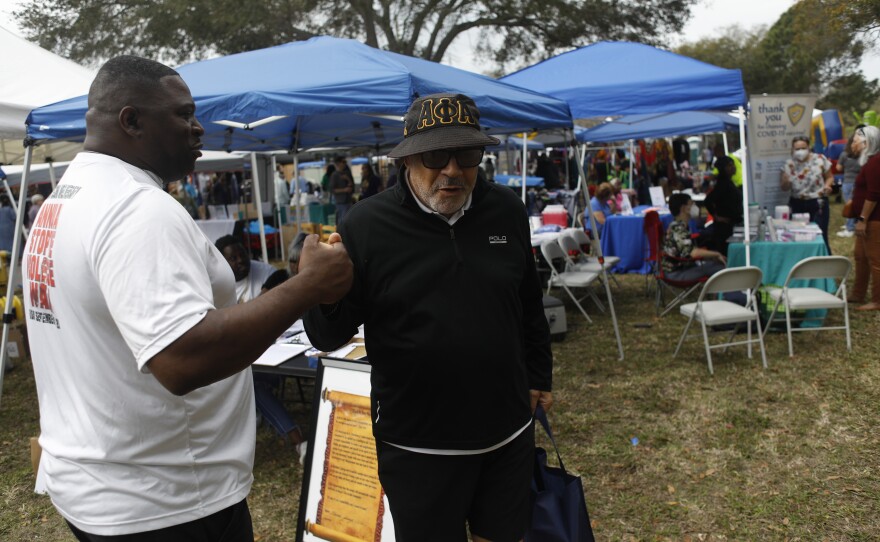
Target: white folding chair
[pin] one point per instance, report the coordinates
(579, 260)
(717, 312)
(568, 279)
(806, 298)
(583, 240)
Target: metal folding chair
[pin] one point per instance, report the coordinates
(807, 298)
(710, 311)
(579, 261)
(568, 279)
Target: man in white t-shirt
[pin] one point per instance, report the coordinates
(139, 347)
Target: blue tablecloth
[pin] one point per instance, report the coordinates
(624, 237)
(776, 260)
(516, 180)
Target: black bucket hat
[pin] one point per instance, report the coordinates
(441, 121)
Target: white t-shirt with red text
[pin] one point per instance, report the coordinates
(114, 271)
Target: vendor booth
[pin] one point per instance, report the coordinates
(623, 78)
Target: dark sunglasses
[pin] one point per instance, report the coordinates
(463, 157)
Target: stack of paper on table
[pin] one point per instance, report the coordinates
(278, 353)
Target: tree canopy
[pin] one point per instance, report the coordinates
(814, 47)
(510, 31)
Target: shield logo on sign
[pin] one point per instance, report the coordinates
(796, 113)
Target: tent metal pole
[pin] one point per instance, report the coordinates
(255, 178)
(9, 194)
(595, 230)
(52, 175)
(296, 190)
(566, 135)
(524, 168)
(632, 158)
(745, 187)
(724, 139)
(278, 215)
(569, 137)
(8, 314)
(296, 195)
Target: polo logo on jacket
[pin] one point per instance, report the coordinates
(497, 239)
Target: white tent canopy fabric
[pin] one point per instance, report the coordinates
(31, 77)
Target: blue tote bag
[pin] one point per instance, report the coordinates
(559, 511)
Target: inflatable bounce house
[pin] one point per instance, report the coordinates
(827, 133)
(829, 139)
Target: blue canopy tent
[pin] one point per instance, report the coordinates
(323, 92)
(326, 92)
(623, 78)
(514, 143)
(659, 125)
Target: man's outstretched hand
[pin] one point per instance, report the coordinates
(326, 268)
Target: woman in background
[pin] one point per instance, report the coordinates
(866, 194)
(371, 184)
(603, 206)
(809, 177)
(848, 164)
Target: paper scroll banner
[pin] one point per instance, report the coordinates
(352, 503)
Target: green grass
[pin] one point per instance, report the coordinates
(790, 453)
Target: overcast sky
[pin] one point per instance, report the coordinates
(709, 18)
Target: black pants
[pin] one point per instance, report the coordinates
(231, 524)
(432, 497)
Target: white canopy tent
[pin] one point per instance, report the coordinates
(32, 76)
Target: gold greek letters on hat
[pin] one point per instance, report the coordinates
(445, 111)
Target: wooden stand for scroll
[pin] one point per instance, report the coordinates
(352, 501)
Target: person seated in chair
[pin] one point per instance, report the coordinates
(681, 259)
(603, 205)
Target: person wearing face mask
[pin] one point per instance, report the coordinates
(682, 260)
(866, 194)
(724, 203)
(809, 177)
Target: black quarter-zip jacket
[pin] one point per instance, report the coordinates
(454, 322)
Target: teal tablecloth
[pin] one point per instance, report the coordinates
(776, 260)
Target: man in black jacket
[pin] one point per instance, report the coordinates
(446, 286)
